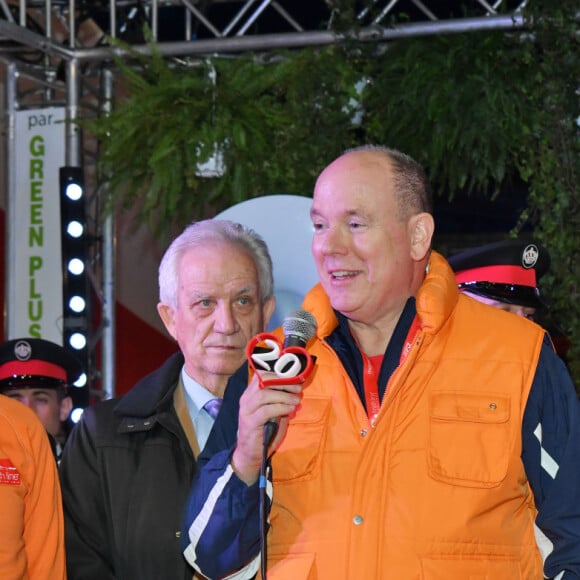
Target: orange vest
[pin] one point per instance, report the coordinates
(437, 489)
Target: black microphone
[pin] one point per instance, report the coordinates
(299, 327)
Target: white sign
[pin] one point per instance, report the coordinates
(35, 300)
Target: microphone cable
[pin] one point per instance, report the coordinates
(292, 364)
(270, 430)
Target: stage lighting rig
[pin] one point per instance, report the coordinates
(76, 300)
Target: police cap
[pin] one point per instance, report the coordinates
(35, 362)
(506, 271)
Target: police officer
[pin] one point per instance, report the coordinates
(504, 274)
(38, 373)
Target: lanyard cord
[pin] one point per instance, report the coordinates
(370, 373)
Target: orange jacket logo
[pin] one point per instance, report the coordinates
(8, 473)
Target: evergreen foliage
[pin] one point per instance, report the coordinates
(477, 109)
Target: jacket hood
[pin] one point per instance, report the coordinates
(438, 294)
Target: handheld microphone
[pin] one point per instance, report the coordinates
(291, 366)
(299, 327)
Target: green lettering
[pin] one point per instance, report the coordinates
(36, 237)
(34, 313)
(34, 330)
(33, 292)
(36, 213)
(37, 146)
(36, 191)
(36, 169)
(34, 264)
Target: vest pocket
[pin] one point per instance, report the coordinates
(469, 568)
(300, 454)
(469, 438)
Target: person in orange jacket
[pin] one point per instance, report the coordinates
(437, 437)
(32, 523)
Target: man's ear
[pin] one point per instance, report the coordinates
(268, 309)
(166, 314)
(65, 408)
(421, 228)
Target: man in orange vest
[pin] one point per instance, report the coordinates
(436, 437)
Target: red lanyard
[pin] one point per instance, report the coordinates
(411, 336)
(370, 373)
(371, 385)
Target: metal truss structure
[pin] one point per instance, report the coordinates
(55, 53)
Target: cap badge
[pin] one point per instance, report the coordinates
(22, 350)
(530, 256)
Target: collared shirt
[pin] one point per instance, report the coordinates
(196, 397)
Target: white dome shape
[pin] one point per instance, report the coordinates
(284, 223)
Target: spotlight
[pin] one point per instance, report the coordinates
(73, 191)
(75, 229)
(76, 266)
(77, 304)
(76, 414)
(81, 381)
(78, 340)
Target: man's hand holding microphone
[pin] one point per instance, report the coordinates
(274, 392)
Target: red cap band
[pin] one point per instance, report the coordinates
(499, 275)
(32, 367)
